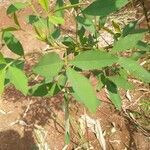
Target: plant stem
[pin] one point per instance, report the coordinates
(146, 14)
(67, 120)
(69, 6)
(9, 64)
(34, 10)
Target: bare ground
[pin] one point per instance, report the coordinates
(21, 117)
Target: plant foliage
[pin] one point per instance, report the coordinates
(65, 71)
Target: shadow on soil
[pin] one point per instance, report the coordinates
(40, 111)
(11, 140)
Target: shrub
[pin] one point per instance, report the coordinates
(80, 53)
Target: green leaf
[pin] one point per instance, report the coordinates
(137, 55)
(56, 33)
(94, 59)
(16, 21)
(31, 19)
(18, 79)
(12, 43)
(44, 4)
(113, 94)
(86, 23)
(62, 79)
(56, 20)
(16, 63)
(37, 21)
(143, 46)
(10, 29)
(59, 4)
(49, 66)
(16, 7)
(104, 8)
(80, 84)
(74, 2)
(121, 82)
(128, 42)
(123, 73)
(39, 90)
(129, 28)
(2, 59)
(67, 138)
(135, 69)
(44, 90)
(116, 27)
(2, 80)
(53, 89)
(101, 81)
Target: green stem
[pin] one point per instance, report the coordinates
(67, 119)
(146, 14)
(34, 10)
(68, 7)
(96, 35)
(9, 64)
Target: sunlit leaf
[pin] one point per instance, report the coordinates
(62, 79)
(2, 80)
(128, 42)
(37, 21)
(143, 46)
(84, 91)
(56, 20)
(18, 79)
(49, 66)
(116, 27)
(86, 23)
(104, 8)
(94, 59)
(16, 7)
(137, 55)
(2, 60)
(44, 4)
(121, 82)
(135, 69)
